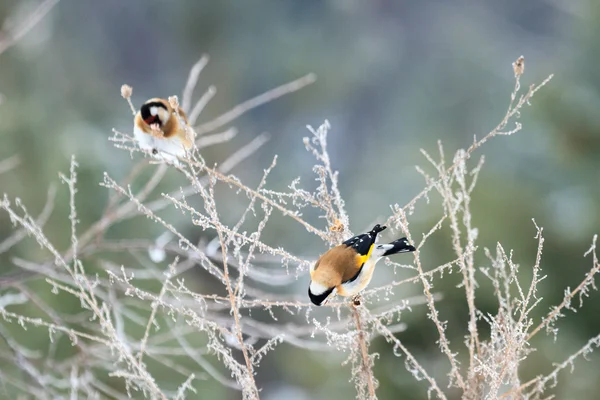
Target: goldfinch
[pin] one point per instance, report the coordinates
(348, 268)
(161, 130)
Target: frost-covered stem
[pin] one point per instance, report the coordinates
(211, 208)
(332, 198)
(195, 354)
(87, 296)
(71, 181)
(437, 270)
(433, 312)
(586, 349)
(54, 327)
(231, 233)
(109, 182)
(113, 200)
(236, 316)
(513, 110)
(126, 209)
(20, 234)
(413, 361)
(567, 299)
(230, 162)
(250, 206)
(364, 351)
(154, 307)
(251, 192)
(519, 389)
(187, 385)
(245, 264)
(536, 271)
(452, 206)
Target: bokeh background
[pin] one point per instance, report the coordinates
(392, 77)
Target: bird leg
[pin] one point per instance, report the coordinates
(357, 300)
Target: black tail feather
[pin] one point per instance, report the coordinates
(400, 246)
(377, 228)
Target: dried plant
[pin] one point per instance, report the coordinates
(239, 317)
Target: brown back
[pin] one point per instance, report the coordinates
(337, 265)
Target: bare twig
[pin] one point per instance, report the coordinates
(8, 39)
(9, 163)
(254, 102)
(367, 368)
(188, 90)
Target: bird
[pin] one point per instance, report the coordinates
(347, 269)
(162, 131)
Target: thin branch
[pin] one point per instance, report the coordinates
(582, 287)
(254, 102)
(9, 163)
(188, 90)
(364, 352)
(11, 37)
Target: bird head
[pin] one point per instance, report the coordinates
(156, 112)
(320, 295)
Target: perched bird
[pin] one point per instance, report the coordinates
(161, 130)
(348, 268)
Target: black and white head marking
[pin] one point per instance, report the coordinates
(151, 112)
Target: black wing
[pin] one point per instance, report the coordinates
(362, 243)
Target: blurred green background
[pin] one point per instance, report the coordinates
(392, 77)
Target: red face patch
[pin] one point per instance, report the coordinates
(151, 120)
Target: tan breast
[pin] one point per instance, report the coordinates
(351, 289)
(337, 265)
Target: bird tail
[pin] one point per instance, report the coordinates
(376, 229)
(398, 246)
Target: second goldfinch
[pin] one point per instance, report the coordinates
(348, 268)
(162, 131)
